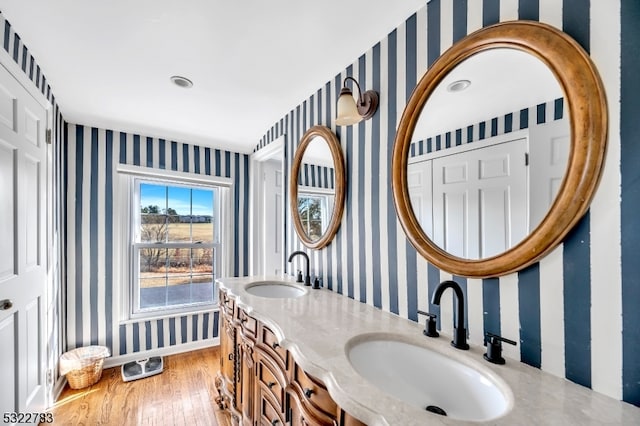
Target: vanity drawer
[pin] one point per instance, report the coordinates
(249, 324)
(271, 346)
(270, 380)
(269, 412)
(226, 303)
(314, 392)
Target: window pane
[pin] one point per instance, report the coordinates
(202, 229)
(202, 202)
(151, 294)
(315, 230)
(179, 261)
(179, 229)
(181, 291)
(315, 209)
(152, 262)
(202, 261)
(153, 198)
(178, 200)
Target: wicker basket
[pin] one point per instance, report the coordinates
(86, 376)
(83, 366)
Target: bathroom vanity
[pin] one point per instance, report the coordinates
(260, 382)
(286, 361)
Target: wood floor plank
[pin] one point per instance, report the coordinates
(183, 394)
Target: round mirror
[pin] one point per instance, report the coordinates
(499, 149)
(317, 187)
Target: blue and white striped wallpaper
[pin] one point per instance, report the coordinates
(316, 176)
(94, 313)
(575, 313)
(523, 119)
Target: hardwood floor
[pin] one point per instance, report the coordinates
(183, 394)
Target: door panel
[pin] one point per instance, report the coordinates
(33, 349)
(7, 212)
(23, 159)
(480, 200)
(30, 177)
(7, 107)
(8, 363)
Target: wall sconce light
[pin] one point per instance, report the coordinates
(348, 112)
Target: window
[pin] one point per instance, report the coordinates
(313, 214)
(176, 250)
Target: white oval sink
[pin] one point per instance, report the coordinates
(425, 378)
(275, 289)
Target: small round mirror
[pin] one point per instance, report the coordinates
(317, 187)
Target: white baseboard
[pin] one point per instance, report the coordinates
(114, 361)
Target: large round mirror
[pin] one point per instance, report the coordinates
(317, 187)
(499, 149)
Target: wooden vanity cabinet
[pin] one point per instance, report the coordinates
(228, 379)
(260, 384)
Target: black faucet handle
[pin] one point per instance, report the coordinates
(494, 348)
(430, 326)
(429, 314)
(316, 283)
(299, 277)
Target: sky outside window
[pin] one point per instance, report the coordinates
(185, 201)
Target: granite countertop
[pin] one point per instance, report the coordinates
(317, 327)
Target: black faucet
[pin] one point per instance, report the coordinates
(307, 277)
(459, 333)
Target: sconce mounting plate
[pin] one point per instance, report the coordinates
(368, 105)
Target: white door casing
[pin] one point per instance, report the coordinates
(273, 217)
(267, 209)
(23, 276)
(549, 155)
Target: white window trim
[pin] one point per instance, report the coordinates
(123, 249)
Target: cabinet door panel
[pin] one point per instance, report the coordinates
(270, 412)
(271, 377)
(301, 413)
(270, 344)
(314, 391)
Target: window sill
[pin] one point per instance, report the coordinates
(165, 315)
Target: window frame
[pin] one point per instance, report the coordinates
(327, 195)
(137, 245)
(125, 240)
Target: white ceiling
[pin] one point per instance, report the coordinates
(252, 61)
(502, 81)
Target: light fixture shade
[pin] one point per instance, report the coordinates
(347, 110)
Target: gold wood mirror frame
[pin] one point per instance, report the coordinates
(585, 97)
(340, 185)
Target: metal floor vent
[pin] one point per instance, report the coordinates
(142, 368)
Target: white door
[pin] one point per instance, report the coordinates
(480, 200)
(420, 191)
(549, 154)
(273, 217)
(23, 166)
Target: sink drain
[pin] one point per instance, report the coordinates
(435, 409)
